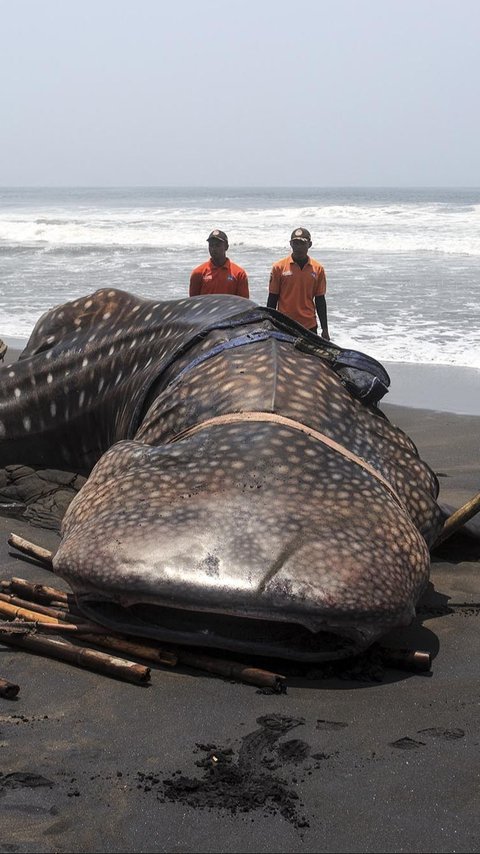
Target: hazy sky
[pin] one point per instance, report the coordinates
(237, 92)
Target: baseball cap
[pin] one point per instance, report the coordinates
(301, 234)
(216, 234)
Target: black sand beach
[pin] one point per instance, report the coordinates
(364, 758)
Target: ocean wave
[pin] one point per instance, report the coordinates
(352, 228)
(418, 341)
(415, 345)
(402, 266)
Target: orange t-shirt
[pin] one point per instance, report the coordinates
(297, 288)
(227, 279)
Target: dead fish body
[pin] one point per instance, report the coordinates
(242, 496)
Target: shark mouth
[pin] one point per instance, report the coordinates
(255, 636)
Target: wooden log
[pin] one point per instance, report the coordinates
(8, 689)
(90, 659)
(233, 670)
(30, 549)
(457, 519)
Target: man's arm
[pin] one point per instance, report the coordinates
(195, 284)
(321, 306)
(273, 288)
(242, 285)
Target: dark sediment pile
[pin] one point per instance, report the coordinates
(247, 782)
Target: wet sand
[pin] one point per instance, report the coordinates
(440, 387)
(369, 760)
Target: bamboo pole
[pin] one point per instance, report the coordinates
(90, 659)
(15, 612)
(98, 636)
(407, 659)
(18, 612)
(234, 670)
(21, 626)
(43, 594)
(457, 519)
(30, 549)
(132, 647)
(58, 613)
(91, 632)
(38, 592)
(8, 689)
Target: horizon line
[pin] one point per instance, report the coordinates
(239, 186)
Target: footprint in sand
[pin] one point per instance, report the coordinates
(439, 732)
(330, 725)
(23, 779)
(406, 743)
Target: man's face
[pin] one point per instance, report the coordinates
(218, 250)
(300, 249)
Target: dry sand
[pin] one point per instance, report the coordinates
(345, 763)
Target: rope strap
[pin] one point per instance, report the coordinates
(272, 417)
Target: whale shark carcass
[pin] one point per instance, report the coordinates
(245, 491)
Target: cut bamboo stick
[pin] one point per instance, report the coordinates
(39, 592)
(15, 612)
(93, 633)
(407, 659)
(58, 613)
(457, 519)
(233, 670)
(132, 647)
(24, 626)
(30, 549)
(90, 659)
(8, 689)
(43, 594)
(98, 635)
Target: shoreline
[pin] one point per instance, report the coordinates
(439, 388)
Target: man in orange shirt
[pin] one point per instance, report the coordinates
(218, 275)
(297, 285)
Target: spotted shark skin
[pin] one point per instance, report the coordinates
(250, 536)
